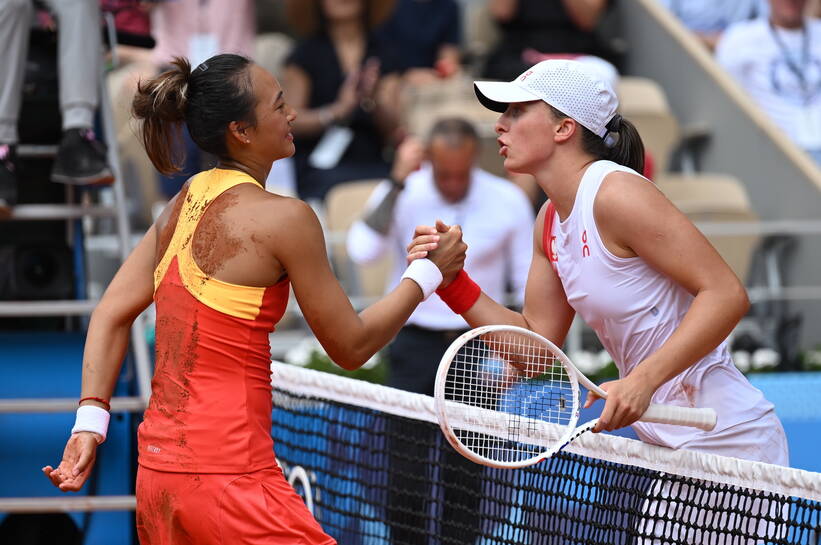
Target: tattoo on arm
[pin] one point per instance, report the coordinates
(380, 217)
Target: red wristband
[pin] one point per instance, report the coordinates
(98, 400)
(461, 294)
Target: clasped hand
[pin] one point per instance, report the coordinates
(443, 245)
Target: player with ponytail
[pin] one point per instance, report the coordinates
(609, 246)
(219, 264)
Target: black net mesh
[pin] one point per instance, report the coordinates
(374, 478)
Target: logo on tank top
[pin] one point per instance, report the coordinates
(553, 255)
(585, 247)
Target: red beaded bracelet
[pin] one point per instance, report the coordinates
(461, 294)
(98, 400)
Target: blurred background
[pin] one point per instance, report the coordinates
(725, 93)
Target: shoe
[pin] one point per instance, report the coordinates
(8, 180)
(81, 160)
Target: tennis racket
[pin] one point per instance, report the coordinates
(507, 397)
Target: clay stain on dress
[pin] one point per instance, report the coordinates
(166, 505)
(176, 360)
(690, 393)
(214, 245)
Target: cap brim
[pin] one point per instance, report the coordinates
(496, 95)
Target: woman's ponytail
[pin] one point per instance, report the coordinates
(623, 144)
(160, 103)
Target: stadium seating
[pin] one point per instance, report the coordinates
(644, 103)
(344, 205)
(716, 198)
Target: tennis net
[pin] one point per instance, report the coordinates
(375, 469)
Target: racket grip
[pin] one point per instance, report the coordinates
(704, 419)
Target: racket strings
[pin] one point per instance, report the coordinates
(508, 397)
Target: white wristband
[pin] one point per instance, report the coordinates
(92, 418)
(425, 274)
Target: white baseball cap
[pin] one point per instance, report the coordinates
(573, 87)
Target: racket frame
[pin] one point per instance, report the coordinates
(701, 418)
(440, 402)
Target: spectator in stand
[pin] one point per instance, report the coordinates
(708, 19)
(80, 157)
(343, 80)
(533, 28)
(197, 30)
(450, 187)
(428, 35)
(778, 62)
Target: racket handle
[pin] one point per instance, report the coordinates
(704, 419)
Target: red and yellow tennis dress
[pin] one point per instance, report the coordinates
(207, 473)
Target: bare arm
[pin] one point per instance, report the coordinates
(386, 96)
(129, 293)
(709, 39)
(349, 338)
(663, 237)
(449, 53)
(546, 310)
(313, 121)
(448, 60)
(409, 157)
(585, 13)
(503, 10)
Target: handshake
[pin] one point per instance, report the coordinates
(442, 244)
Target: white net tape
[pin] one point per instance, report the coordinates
(710, 467)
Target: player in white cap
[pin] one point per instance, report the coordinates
(610, 246)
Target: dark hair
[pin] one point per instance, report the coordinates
(216, 93)
(622, 144)
(454, 130)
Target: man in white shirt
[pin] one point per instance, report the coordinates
(778, 62)
(496, 220)
(497, 223)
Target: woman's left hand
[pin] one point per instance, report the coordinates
(627, 400)
(425, 239)
(77, 463)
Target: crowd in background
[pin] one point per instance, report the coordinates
(354, 69)
(372, 79)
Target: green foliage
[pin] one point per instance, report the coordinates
(607, 373)
(310, 354)
(811, 359)
(376, 373)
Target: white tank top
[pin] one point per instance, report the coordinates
(634, 309)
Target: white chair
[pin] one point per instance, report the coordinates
(270, 50)
(716, 198)
(344, 205)
(644, 103)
